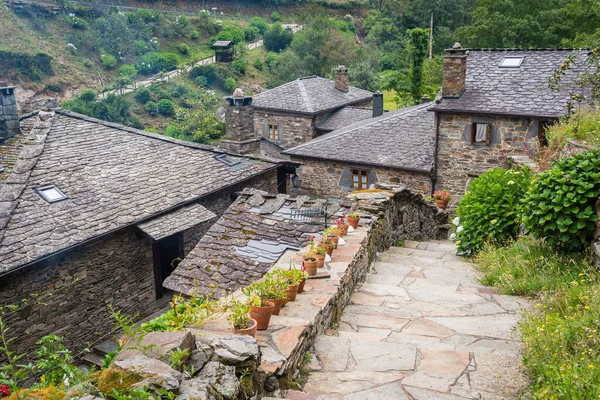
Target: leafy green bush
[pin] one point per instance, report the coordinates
(490, 210)
(270, 58)
(201, 81)
(258, 64)
(277, 37)
(229, 85)
(251, 34)
(260, 24)
(208, 71)
(583, 125)
(151, 107)
(183, 48)
(528, 266)
(560, 203)
(77, 23)
(166, 107)
(142, 95)
(194, 35)
(275, 16)
(153, 62)
(239, 66)
(172, 131)
(108, 61)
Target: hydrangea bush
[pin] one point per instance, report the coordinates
(490, 210)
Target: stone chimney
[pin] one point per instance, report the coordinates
(342, 82)
(377, 104)
(239, 124)
(9, 115)
(455, 72)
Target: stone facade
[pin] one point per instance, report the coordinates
(292, 129)
(9, 115)
(455, 73)
(239, 115)
(116, 270)
(334, 178)
(458, 161)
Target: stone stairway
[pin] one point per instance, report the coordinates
(420, 327)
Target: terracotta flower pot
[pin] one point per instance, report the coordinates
(278, 304)
(247, 331)
(441, 204)
(301, 286)
(262, 314)
(320, 260)
(310, 267)
(330, 251)
(353, 222)
(335, 240)
(292, 291)
(344, 228)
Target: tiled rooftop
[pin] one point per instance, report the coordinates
(344, 117)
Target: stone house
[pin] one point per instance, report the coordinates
(291, 114)
(495, 106)
(95, 214)
(397, 147)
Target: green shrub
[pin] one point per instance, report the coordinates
(151, 107)
(201, 81)
(251, 34)
(153, 62)
(77, 23)
(209, 71)
(142, 95)
(183, 48)
(271, 58)
(194, 35)
(258, 64)
(87, 96)
(275, 16)
(260, 24)
(174, 132)
(166, 107)
(490, 210)
(583, 125)
(230, 85)
(108, 61)
(527, 267)
(239, 66)
(560, 203)
(277, 37)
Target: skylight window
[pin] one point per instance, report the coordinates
(511, 62)
(51, 193)
(227, 160)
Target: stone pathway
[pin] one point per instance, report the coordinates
(420, 328)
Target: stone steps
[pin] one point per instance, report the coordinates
(420, 327)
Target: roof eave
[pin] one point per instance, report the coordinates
(501, 113)
(313, 113)
(423, 171)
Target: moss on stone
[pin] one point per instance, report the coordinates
(48, 393)
(110, 379)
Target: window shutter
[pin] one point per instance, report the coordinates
(473, 132)
(488, 130)
(279, 133)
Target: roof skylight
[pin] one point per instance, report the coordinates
(227, 160)
(51, 193)
(512, 62)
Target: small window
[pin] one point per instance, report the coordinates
(227, 160)
(480, 133)
(511, 62)
(50, 193)
(360, 179)
(273, 131)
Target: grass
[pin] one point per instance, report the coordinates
(389, 102)
(561, 332)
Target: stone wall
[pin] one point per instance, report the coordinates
(458, 161)
(115, 270)
(333, 178)
(294, 129)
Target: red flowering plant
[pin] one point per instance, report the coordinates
(4, 390)
(312, 241)
(443, 195)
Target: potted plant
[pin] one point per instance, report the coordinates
(331, 233)
(353, 218)
(294, 278)
(320, 253)
(240, 320)
(327, 244)
(309, 260)
(268, 289)
(343, 225)
(260, 310)
(303, 281)
(441, 197)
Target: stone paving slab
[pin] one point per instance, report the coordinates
(421, 328)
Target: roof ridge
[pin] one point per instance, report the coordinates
(525, 49)
(305, 98)
(359, 124)
(15, 184)
(157, 136)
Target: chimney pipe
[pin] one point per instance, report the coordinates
(9, 114)
(455, 72)
(342, 82)
(425, 99)
(377, 104)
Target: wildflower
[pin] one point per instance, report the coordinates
(460, 229)
(4, 390)
(453, 236)
(494, 221)
(456, 221)
(591, 366)
(511, 182)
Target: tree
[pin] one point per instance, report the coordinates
(362, 76)
(419, 45)
(276, 38)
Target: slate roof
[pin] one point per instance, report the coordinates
(519, 91)
(402, 139)
(176, 221)
(245, 242)
(113, 176)
(344, 117)
(312, 95)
